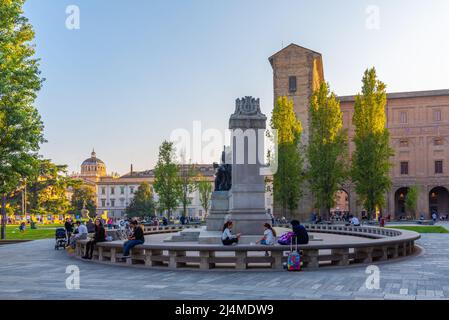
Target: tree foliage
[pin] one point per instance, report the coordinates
(371, 159)
(205, 193)
(290, 174)
(47, 191)
(411, 200)
(20, 123)
(142, 204)
(327, 149)
(167, 183)
(188, 174)
(83, 197)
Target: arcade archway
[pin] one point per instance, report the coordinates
(399, 202)
(439, 201)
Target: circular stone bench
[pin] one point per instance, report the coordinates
(376, 244)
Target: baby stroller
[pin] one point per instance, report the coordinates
(60, 238)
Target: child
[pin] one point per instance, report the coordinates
(269, 237)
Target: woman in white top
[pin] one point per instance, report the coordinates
(228, 238)
(269, 235)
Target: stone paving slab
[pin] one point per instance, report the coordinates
(34, 270)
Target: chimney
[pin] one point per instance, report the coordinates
(131, 169)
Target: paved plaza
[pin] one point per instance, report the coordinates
(33, 270)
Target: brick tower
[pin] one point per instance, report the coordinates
(297, 73)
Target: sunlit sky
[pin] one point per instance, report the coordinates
(138, 69)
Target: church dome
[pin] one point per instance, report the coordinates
(93, 160)
(93, 167)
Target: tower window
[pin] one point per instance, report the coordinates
(292, 84)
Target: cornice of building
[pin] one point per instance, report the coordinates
(404, 95)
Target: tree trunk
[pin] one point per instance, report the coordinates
(3, 235)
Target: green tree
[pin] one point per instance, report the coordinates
(188, 173)
(83, 197)
(167, 182)
(371, 159)
(142, 204)
(205, 193)
(20, 123)
(327, 150)
(411, 200)
(290, 174)
(47, 190)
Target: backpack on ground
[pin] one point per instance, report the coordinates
(294, 258)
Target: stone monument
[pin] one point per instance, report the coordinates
(247, 195)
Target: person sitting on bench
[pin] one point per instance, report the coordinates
(301, 234)
(228, 238)
(136, 238)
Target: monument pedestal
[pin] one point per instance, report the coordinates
(218, 211)
(244, 204)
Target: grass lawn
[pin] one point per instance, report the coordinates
(42, 232)
(422, 229)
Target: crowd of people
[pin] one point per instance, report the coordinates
(135, 234)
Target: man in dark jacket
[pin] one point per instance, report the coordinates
(68, 226)
(300, 232)
(137, 237)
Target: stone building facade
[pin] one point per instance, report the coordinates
(418, 124)
(115, 192)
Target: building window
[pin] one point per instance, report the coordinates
(112, 190)
(122, 202)
(103, 202)
(403, 117)
(438, 167)
(112, 203)
(438, 142)
(292, 84)
(122, 190)
(131, 190)
(404, 168)
(103, 190)
(437, 115)
(403, 143)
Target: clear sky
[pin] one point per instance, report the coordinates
(138, 69)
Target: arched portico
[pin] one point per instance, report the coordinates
(399, 202)
(439, 201)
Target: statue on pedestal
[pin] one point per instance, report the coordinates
(223, 175)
